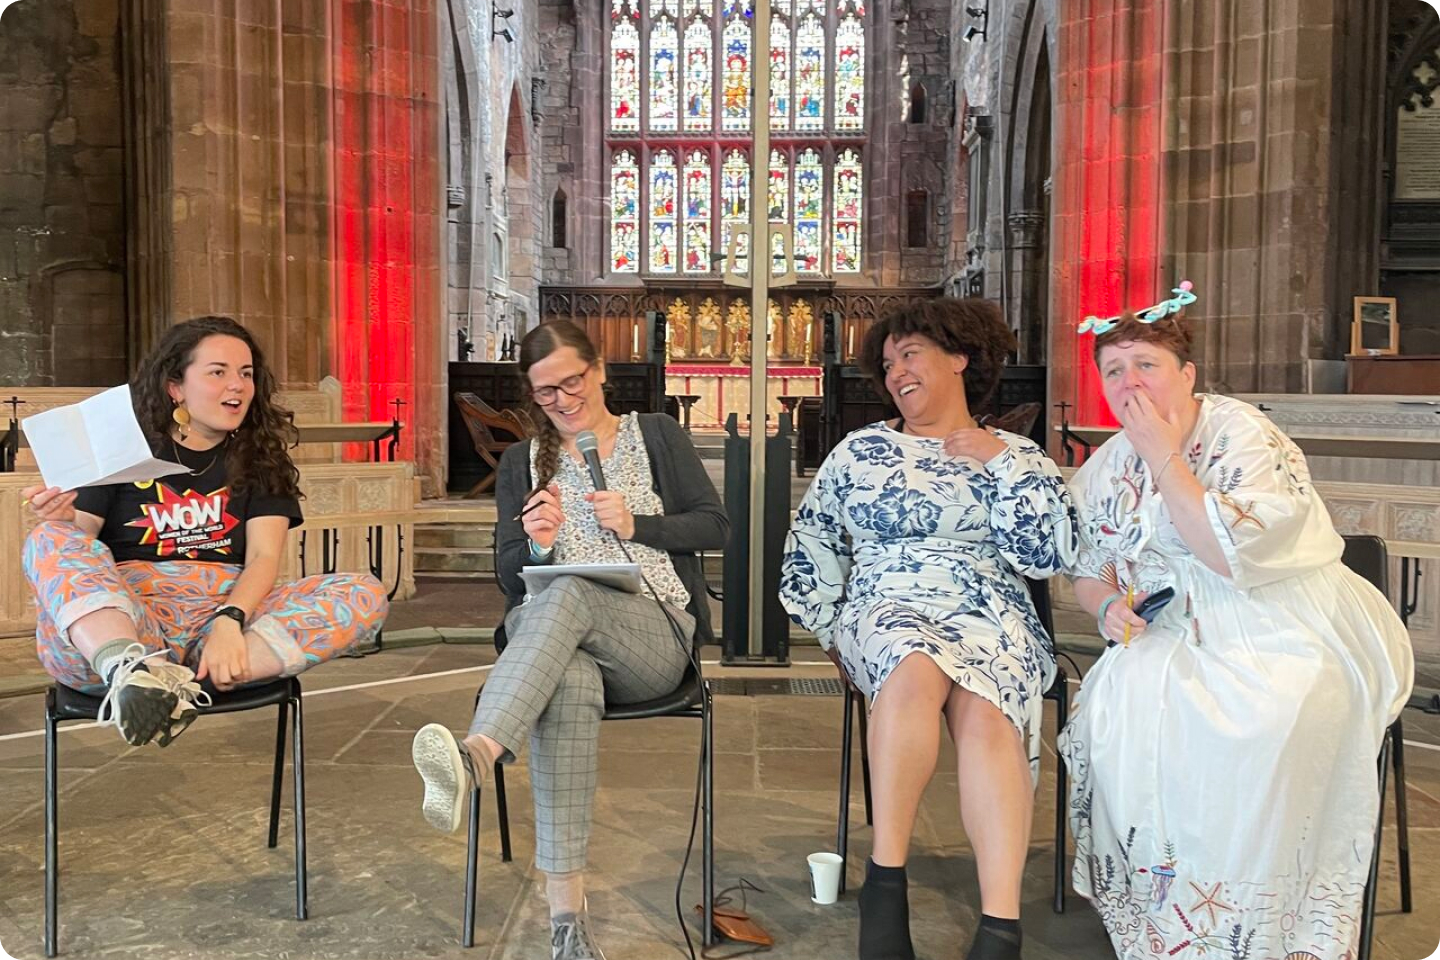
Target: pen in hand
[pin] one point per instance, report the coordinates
(528, 497)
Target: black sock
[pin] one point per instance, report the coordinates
(885, 914)
(996, 939)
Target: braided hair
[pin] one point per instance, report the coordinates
(534, 347)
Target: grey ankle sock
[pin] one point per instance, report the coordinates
(108, 657)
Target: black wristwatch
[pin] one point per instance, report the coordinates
(233, 612)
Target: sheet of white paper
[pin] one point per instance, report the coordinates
(93, 442)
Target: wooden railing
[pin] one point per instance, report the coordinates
(321, 405)
(368, 510)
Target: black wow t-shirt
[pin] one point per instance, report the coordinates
(186, 516)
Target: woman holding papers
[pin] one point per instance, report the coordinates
(906, 558)
(576, 643)
(149, 591)
(1223, 749)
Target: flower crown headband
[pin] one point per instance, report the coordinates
(1165, 308)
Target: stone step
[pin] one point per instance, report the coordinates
(447, 535)
(471, 560)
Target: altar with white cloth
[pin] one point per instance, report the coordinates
(724, 389)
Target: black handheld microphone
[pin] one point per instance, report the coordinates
(589, 448)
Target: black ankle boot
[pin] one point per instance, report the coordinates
(996, 940)
(885, 915)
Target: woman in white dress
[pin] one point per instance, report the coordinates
(1223, 755)
(906, 560)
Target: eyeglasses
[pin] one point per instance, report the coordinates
(570, 386)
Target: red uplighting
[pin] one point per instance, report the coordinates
(1111, 133)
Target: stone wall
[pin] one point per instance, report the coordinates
(909, 56)
(498, 94)
(62, 223)
(1273, 181)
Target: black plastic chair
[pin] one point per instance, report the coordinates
(692, 698)
(855, 702)
(1367, 556)
(62, 704)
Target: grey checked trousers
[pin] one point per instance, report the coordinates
(572, 647)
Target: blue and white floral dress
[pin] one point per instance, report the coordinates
(899, 548)
(1223, 764)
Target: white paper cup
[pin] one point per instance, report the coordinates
(825, 870)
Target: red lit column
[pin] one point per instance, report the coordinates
(1107, 198)
(386, 264)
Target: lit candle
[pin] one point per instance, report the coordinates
(850, 344)
(635, 340)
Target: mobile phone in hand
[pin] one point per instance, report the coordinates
(1153, 604)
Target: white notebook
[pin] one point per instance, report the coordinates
(621, 576)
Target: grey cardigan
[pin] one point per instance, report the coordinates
(694, 518)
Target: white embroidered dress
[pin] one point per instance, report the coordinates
(900, 548)
(1224, 763)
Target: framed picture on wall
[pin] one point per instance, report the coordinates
(1376, 328)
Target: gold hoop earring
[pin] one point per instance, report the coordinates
(181, 416)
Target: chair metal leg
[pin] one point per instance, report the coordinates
(52, 828)
(502, 812)
(1402, 815)
(1062, 799)
(707, 848)
(472, 858)
(279, 781)
(864, 716)
(302, 889)
(842, 829)
(1367, 910)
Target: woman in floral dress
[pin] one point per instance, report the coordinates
(906, 560)
(1223, 756)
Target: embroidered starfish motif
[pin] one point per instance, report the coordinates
(1209, 902)
(1242, 514)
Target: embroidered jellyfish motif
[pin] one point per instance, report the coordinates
(1164, 876)
(1301, 955)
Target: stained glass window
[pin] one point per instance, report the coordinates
(664, 86)
(697, 212)
(625, 69)
(735, 102)
(847, 213)
(698, 79)
(662, 212)
(810, 73)
(779, 194)
(735, 205)
(779, 73)
(624, 213)
(850, 75)
(809, 211)
(681, 77)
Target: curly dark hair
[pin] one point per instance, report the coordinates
(1172, 333)
(257, 459)
(534, 347)
(969, 327)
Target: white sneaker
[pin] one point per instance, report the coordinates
(445, 768)
(139, 703)
(189, 697)
(570, 938)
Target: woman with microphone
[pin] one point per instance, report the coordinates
(577, 644)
